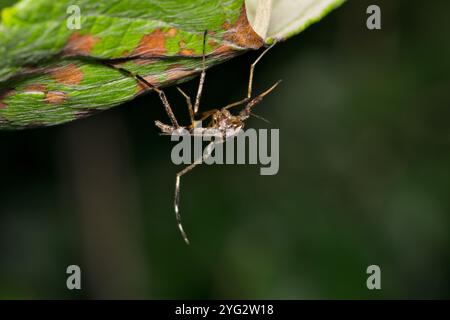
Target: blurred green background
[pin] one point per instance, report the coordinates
(364, 179)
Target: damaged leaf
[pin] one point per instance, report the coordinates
(51, 73)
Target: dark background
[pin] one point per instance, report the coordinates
(364, 179)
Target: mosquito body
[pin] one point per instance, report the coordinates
(223, 125)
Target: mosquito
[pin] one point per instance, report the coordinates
(223, 124)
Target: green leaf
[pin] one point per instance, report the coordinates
(50, 73)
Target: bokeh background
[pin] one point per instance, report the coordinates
(364, 179)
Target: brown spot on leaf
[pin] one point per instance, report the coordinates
(150, 79)
(175, 66)
(5, 94)
(183, 50)
(153, 80)
(35, 88)
(220, 49)
(242, 33)
(80, 44)
(223, 49)
(68, 75)
(55, 97)
(227, 25)
(172, 32)
(177, 71)
(212, 43)
(144, 62)
(153, 44)
(173, 76)
(186, 52)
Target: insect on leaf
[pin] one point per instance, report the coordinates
(51, 73)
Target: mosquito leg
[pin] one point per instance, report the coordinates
(207, 114)
(189, 103)
(236, 104)
(161, 93)
(205, 155)
(250, 83)
(163, 98)
(202, 77)
(177, 199)
(246, 112)
(252, 71)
